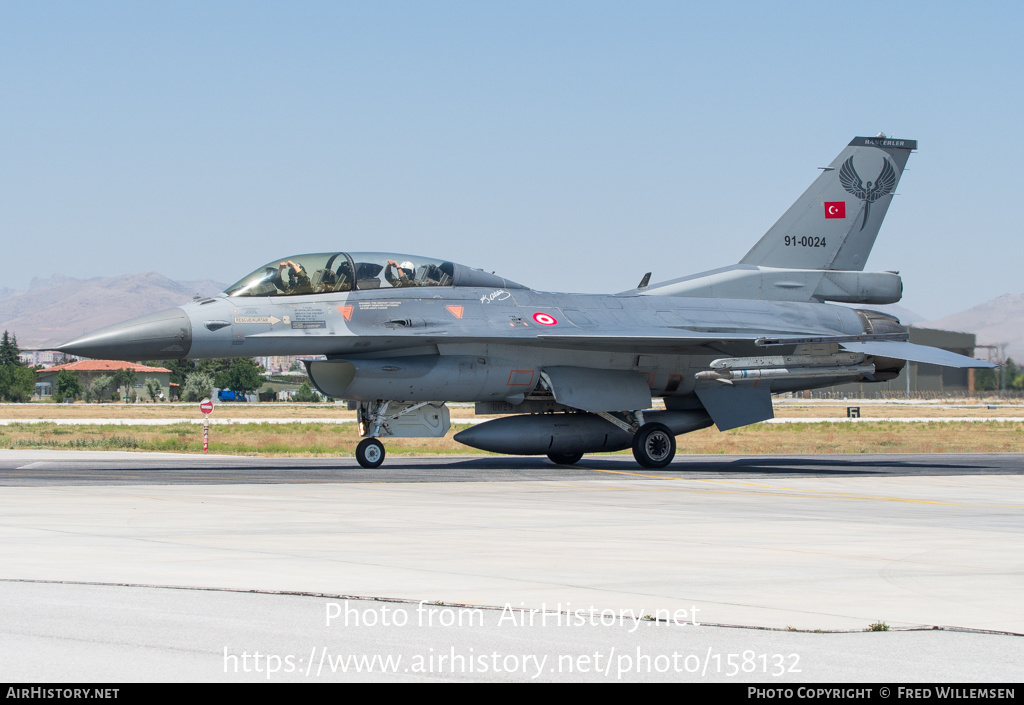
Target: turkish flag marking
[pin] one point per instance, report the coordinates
(835, 209)
(455, 310)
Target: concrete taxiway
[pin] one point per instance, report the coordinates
(806, 542)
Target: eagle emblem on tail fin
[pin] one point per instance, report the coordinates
(882, 186)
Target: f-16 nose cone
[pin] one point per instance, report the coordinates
(165, 335)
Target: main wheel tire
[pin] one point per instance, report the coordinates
(565, 458)
(654, 446)
(370, 453)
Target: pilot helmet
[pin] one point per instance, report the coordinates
(409, 268)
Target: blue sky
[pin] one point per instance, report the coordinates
(567, 145)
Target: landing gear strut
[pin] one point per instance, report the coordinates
(370, 453)
(396, 419)
(654, 446)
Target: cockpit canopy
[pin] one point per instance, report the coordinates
(329, 272)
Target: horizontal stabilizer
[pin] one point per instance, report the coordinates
(901, 350)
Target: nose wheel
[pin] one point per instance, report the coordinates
(654, 446)
(370, 453)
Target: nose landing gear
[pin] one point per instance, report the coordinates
(370, 453)
(399, 419)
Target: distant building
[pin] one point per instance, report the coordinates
(88, 370)
(923, 378)
(276, 364)
(34, 357)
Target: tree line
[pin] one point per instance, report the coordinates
(992, 380)
(17, 380)
(197, 380)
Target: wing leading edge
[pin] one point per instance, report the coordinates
(868, 345)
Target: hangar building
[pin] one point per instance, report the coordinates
(932, 380)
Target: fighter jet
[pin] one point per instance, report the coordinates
(571, 374)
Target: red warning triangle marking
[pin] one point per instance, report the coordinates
(455, 310)
(346, 311)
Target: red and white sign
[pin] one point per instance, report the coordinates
(545, 319)
(206, 406)
(835, 209)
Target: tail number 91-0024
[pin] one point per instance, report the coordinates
(805, 241)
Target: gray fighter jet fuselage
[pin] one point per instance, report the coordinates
(575, 373)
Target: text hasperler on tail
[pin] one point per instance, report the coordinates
(399, 336)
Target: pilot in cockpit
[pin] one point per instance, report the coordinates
(297, 281)
(403, 274)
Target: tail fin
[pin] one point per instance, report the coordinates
(833, 225)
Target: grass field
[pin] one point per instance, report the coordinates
(332, 439)
(784, 408)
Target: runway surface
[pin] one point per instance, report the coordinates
(125, 566)
(40, 468)
(235, 421)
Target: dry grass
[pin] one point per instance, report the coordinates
(784, 408)
(280, 440)
(115, 410)
(865, 437)
(878, 409)
(298, 440)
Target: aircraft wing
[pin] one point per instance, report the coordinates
(635, 341)
(656, 340)
(868, 345)
(611, 341)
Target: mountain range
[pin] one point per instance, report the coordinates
(999, 321)
(59, 308)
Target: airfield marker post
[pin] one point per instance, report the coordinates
(206, 406)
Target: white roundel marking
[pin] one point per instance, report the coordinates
(544, 319)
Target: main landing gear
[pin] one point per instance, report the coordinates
(654, 446)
